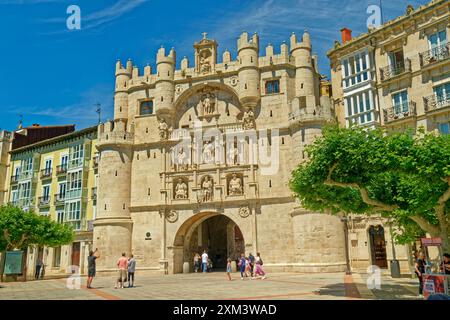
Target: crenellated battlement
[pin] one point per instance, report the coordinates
(116, 133)
(304, 44)
(162, 58)
(244, 42)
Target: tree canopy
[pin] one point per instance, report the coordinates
(21, 229)
(403, 176)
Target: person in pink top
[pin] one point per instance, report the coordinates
(122, 264)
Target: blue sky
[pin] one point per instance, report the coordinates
(51, 75)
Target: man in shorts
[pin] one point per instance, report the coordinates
(122, 264)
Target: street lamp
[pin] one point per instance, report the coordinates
(348, 270)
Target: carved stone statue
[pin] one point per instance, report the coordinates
(207, 189)
(163, 129)
(235, 186)
(208, 152)
(249, 120)
(234, 155)
(205, 65)
(181, 190)
(208, 103)
(181, 160)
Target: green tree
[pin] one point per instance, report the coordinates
(405, 178)
(21, 229)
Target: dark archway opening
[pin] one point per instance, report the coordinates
(220, 237)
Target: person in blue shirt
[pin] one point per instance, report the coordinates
(242, 266)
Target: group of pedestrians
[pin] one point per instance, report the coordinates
(421, 265)
(202, 263)
(251, 267)
(126, 269)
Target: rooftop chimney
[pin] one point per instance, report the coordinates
(346, 35)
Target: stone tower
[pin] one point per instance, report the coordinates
(248, 56)
(113, 225)
(171, 182)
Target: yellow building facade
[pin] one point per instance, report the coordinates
(57, 178)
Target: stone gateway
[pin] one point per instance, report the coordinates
(236, 129)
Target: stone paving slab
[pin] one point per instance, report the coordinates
(215, 286)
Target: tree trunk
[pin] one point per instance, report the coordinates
(445, 239)
(2, 264)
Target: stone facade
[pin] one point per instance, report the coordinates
(396, 77)
(199, 158)
(404, 70)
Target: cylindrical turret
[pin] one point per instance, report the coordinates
(165, 87)
(113, 224)
(304, 75)
(123, 75)
(249, 77)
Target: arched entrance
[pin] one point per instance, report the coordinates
(378, 246)
(216, 233)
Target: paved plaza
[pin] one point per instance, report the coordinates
(212, 286)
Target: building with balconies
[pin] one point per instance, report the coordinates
(396, 76)
(409, 78)
(55, 177)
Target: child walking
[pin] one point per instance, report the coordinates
(229, 269)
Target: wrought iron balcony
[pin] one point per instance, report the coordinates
(61, 170)
(25, 202)
(59, 199)
(435, 102)
(96, 161)
(400, 111)
(46, 173)
(44, 201)
(94, 193)
(434, 55)
(14, 179)
(392, 71)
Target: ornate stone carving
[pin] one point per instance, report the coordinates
(163, 129)
(208, 103)
(172, 216)
(244, 212)
(181, 190)
(205, 65)
(235, 186)
(182, 163)
(208, 152)
(234, 81)
(207, 190)
(233, 155)
(249, 120)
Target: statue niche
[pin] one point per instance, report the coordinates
(208, 153)
(235, 185)
(181, 189)
(206, 191)
(207, 105)
(180, 159)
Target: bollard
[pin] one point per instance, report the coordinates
(186, 267)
